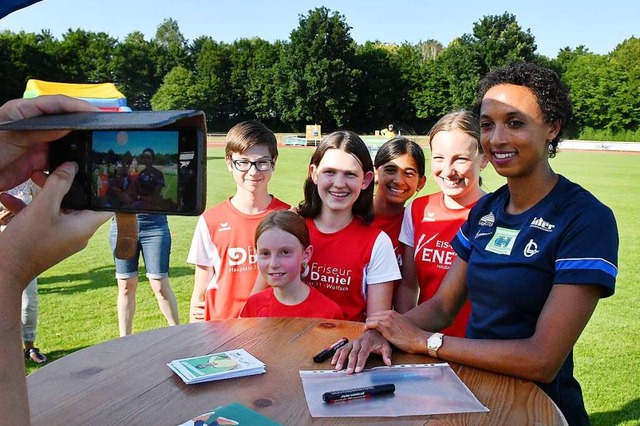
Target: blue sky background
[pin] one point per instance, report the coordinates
(135, 142)
(599, 25)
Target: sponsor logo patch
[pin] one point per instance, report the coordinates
(224, 226)
(502, 241)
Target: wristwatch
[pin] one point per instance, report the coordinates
(433, 344)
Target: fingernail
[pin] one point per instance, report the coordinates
(70, 167)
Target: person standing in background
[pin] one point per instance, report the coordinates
(25, 192)
(154, 243)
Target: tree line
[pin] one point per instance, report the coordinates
(321, 75)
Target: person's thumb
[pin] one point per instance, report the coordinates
(58, 184)
(386, 354)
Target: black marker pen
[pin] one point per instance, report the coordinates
(365, 392)
(328, 352)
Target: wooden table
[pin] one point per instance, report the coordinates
(126, 381)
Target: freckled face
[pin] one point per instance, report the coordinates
(514, 136)
(398, 179)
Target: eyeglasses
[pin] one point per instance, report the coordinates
(245, 165)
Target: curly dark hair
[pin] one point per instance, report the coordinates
(552, 95)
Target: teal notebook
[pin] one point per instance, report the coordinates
(234, 414)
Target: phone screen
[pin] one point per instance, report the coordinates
(154, 171)
(135, 169)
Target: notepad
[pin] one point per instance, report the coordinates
(218, 366)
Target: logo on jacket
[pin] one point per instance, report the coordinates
(502, 241)
(429, 216)
(487, 220)
(540, 223)
(224, 226)
(530, 249)
(241, 258)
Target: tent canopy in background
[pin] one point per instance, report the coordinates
(103, 95)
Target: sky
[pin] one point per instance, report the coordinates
(555, 24)
(136, 142)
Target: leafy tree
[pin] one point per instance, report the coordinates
(566, 55)
(430, 49)
(431, 99)
(317, 73)
(626, 58)
(212, 68)
(24, 56)
(14, 68)
(588, 79)
(461, 66)
(171, 45)
(410, 60)
(451, 80)
(85, 57)
(379, 100)
(500, 40)
(250, 73)
(177, 91)
(252, 77)
(135, 71)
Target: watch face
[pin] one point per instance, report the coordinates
(434, 342)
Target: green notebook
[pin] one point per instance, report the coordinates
(234, 414)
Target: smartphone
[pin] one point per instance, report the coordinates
(161, 171)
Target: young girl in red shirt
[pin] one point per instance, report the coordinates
(283, 248)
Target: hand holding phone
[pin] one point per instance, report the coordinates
(137, 162)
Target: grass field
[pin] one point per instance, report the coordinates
(78, 296)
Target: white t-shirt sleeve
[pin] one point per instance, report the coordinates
(407, 231)
(203, 252)
(383, 266)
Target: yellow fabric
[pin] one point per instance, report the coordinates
(102, 90)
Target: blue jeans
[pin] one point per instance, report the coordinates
(154, 242)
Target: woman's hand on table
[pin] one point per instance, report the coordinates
(399, 331)
(354, 355)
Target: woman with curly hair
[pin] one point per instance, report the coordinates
(534, 257)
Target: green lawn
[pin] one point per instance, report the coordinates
(78, 296)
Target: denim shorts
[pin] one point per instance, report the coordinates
(154, 242)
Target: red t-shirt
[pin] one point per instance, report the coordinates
(430, 232)
(316, 305)
(224, 239)
(391, 225)
(344, 263)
